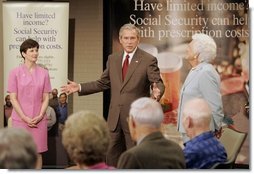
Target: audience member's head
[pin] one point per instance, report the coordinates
(17, 149)
(54, 93)
(196, 117)
(145, 117)
(63, 98)
(8, 101)
(86, 138)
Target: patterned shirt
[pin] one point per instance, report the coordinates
(203, 151)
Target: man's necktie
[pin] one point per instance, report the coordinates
(125, 66)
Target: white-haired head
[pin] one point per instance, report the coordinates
(204, 46)
(147, 111)
(199, 111)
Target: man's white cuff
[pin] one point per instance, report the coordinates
(79, 87)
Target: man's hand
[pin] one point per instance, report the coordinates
(70, 88)
(156, 93)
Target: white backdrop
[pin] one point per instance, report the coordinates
(46, 23)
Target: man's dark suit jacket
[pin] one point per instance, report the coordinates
(154, 152)
(142, 72)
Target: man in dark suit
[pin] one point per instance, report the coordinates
(130, 74)
(153, 150)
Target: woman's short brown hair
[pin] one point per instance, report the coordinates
(29, 43)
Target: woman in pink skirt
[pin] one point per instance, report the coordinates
(29, 87)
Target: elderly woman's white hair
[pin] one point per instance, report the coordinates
(204, 46)
(147, 111)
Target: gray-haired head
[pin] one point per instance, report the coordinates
(204, 46)
(129, 27)
(199, 110)
(147, 111)
(17, 149)
(86, 138)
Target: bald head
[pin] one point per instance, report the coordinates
(197, 109)
(196, 117)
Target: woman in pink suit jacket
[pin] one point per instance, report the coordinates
(29, 87)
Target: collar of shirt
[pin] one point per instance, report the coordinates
(140, 140)
(130, 54)
(62, 105)
(201, 137)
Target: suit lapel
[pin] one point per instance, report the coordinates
(132, 66)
